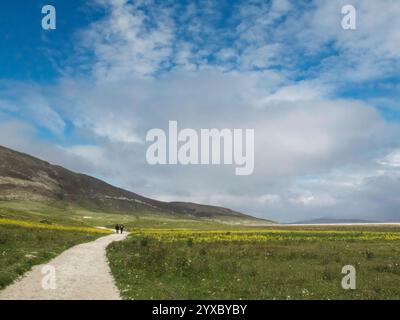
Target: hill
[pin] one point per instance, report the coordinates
(26, 178)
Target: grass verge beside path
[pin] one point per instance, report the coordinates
(24, 244)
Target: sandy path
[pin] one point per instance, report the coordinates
(81, 273)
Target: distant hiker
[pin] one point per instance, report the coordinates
(117, 227)
(121, 227)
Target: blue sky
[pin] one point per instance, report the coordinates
(30, 53)
(323, 100)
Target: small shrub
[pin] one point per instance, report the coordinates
(369, 254)
(144, 242)
(327, 275)
(3, 239)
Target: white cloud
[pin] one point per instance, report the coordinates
(28, 100)
(92, 154)
(302, 91)
(271, 199)
(363, 54)
(124, 45)
(321, 200)
(392, 159)
(259, 57)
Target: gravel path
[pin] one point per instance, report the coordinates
(81, 273)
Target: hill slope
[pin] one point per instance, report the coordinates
(26, 178)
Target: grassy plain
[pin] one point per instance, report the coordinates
(258, 263)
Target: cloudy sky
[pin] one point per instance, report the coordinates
(324, 101)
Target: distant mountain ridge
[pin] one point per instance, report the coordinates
(23, 177)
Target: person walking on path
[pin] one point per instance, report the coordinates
(117, 228)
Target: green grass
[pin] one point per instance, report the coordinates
(196, 266)
(21, 248)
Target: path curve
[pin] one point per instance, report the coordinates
(82, 273)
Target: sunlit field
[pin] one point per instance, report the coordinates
(48, 226)
(267, 263)
(248, 235)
